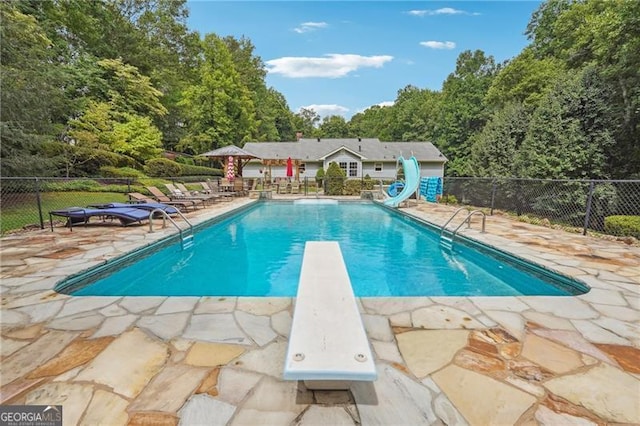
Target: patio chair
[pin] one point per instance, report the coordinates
(295, 187)
(196, 195)
(215, 189)
(81, 215)
(283, 187)
(163, 198)
(141, 198)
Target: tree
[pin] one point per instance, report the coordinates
(495, 147)
(461, 112)
(333, 126)
(305, 121)
(29, 93)
(220, 109)
(525, 79)
(605, 35)
(568, 136)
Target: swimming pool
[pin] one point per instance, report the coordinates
(258, 252)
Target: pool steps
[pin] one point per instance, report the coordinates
(328, 346)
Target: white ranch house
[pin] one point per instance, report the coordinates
(357, 157)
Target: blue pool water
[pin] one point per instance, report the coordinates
(258, 252)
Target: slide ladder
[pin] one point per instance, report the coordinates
(411, 181)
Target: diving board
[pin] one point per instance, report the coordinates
(328, 346)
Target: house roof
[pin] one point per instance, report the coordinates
(370, 149)
(230, 150)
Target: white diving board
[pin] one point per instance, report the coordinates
(328, 345)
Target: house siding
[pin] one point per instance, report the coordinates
(365, 152)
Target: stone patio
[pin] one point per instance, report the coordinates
(440, 360)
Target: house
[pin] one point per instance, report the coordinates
(358, 157)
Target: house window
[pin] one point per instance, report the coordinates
(377, 167)
(343, 166)
(302, 167)
(353, 169)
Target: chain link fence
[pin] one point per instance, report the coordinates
(568, 203)
(25, 203)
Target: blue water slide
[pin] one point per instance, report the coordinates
(411, 181)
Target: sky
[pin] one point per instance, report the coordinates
(341, 57)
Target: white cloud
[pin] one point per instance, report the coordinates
(306, 27)
(330, 66)
(380, 104)
(438, 44)
(327, 110)
(442, 11)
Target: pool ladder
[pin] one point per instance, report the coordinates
(447, 236)
(186, 235)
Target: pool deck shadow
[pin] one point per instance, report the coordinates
(219, 360)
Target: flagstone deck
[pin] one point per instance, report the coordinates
(441, 360)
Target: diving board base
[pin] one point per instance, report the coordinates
(328, 384)
(328, 346)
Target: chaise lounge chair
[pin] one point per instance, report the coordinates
(163, 198)
(147, 206)
(81, 215)
(181, 191)
(137, 197)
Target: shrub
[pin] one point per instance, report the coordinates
(367, 183)
(448, 199)
(162, 167)
(189, 170)
(320, 176)
(120, 172)
(185, 160)
(335, 177)
(624, 226)
(88, 185)
(353, 187)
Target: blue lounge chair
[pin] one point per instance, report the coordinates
(148, 206)
(79, 215)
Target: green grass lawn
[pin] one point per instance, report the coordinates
(19, 212)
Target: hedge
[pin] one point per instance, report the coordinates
(624, 226)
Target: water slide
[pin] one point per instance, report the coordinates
(411, 181)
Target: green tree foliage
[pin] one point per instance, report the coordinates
(305, 121)
(462, 113)
(221, 111)
(525, 79)
(333, 126)
(334, 178)
(604, 35)
(374, 122)
(568, 136)
(137, 138)
(495, 147)
(29, 94)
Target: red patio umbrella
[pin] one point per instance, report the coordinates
(289, 167)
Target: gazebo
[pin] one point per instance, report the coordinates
(240, 156)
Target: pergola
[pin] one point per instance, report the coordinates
(268, 162)
(239, 156)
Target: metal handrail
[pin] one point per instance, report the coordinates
(443, 228)
(468, 219)
(166, 216)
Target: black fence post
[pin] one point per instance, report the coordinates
(494, 186)
(37, 186)
(587, 215)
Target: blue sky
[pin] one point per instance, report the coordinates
(340, 57)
